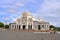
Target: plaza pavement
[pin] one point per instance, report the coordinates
(19, 35)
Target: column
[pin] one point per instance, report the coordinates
(14, 26)
(21, 27)
(32, 25)
(27, 27)
(45, 26)
(10, 26)
(48, 26)
(41, 27)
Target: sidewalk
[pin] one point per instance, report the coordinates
(41, 32)
(2, 29)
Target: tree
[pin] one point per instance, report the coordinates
(51, 26)
(1, 24)
(58, 28)
(6, 26)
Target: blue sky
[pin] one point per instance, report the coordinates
(48, 10)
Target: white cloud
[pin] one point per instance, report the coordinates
(19, 4)
(50, 9)
(12, 10)
(12, 6)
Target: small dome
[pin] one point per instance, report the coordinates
(26, 13)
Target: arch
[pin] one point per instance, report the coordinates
(39, 27)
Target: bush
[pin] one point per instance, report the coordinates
(6, 26)
(58, 29)
(51, 26)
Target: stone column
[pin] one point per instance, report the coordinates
(18, 27)
(26, 24)
(41, 27)
(10, 26)
(32, 26)
(45, 26)
(14, 27)
(21, 27)
(27, 27)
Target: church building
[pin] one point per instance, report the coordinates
(27, 21)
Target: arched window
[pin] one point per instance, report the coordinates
(42, 26)
(29, 26)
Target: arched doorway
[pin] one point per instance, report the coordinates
(38, 27)
(24, 26)
(19, 27)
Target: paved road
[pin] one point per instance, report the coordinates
(17, 35)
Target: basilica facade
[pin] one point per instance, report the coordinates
(27, 21)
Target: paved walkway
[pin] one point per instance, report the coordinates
(17, 35)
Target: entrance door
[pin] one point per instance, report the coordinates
(38, 27)
(19, 27)
(24, 27)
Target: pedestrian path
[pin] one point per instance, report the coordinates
(41, 32)
(58, 32)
